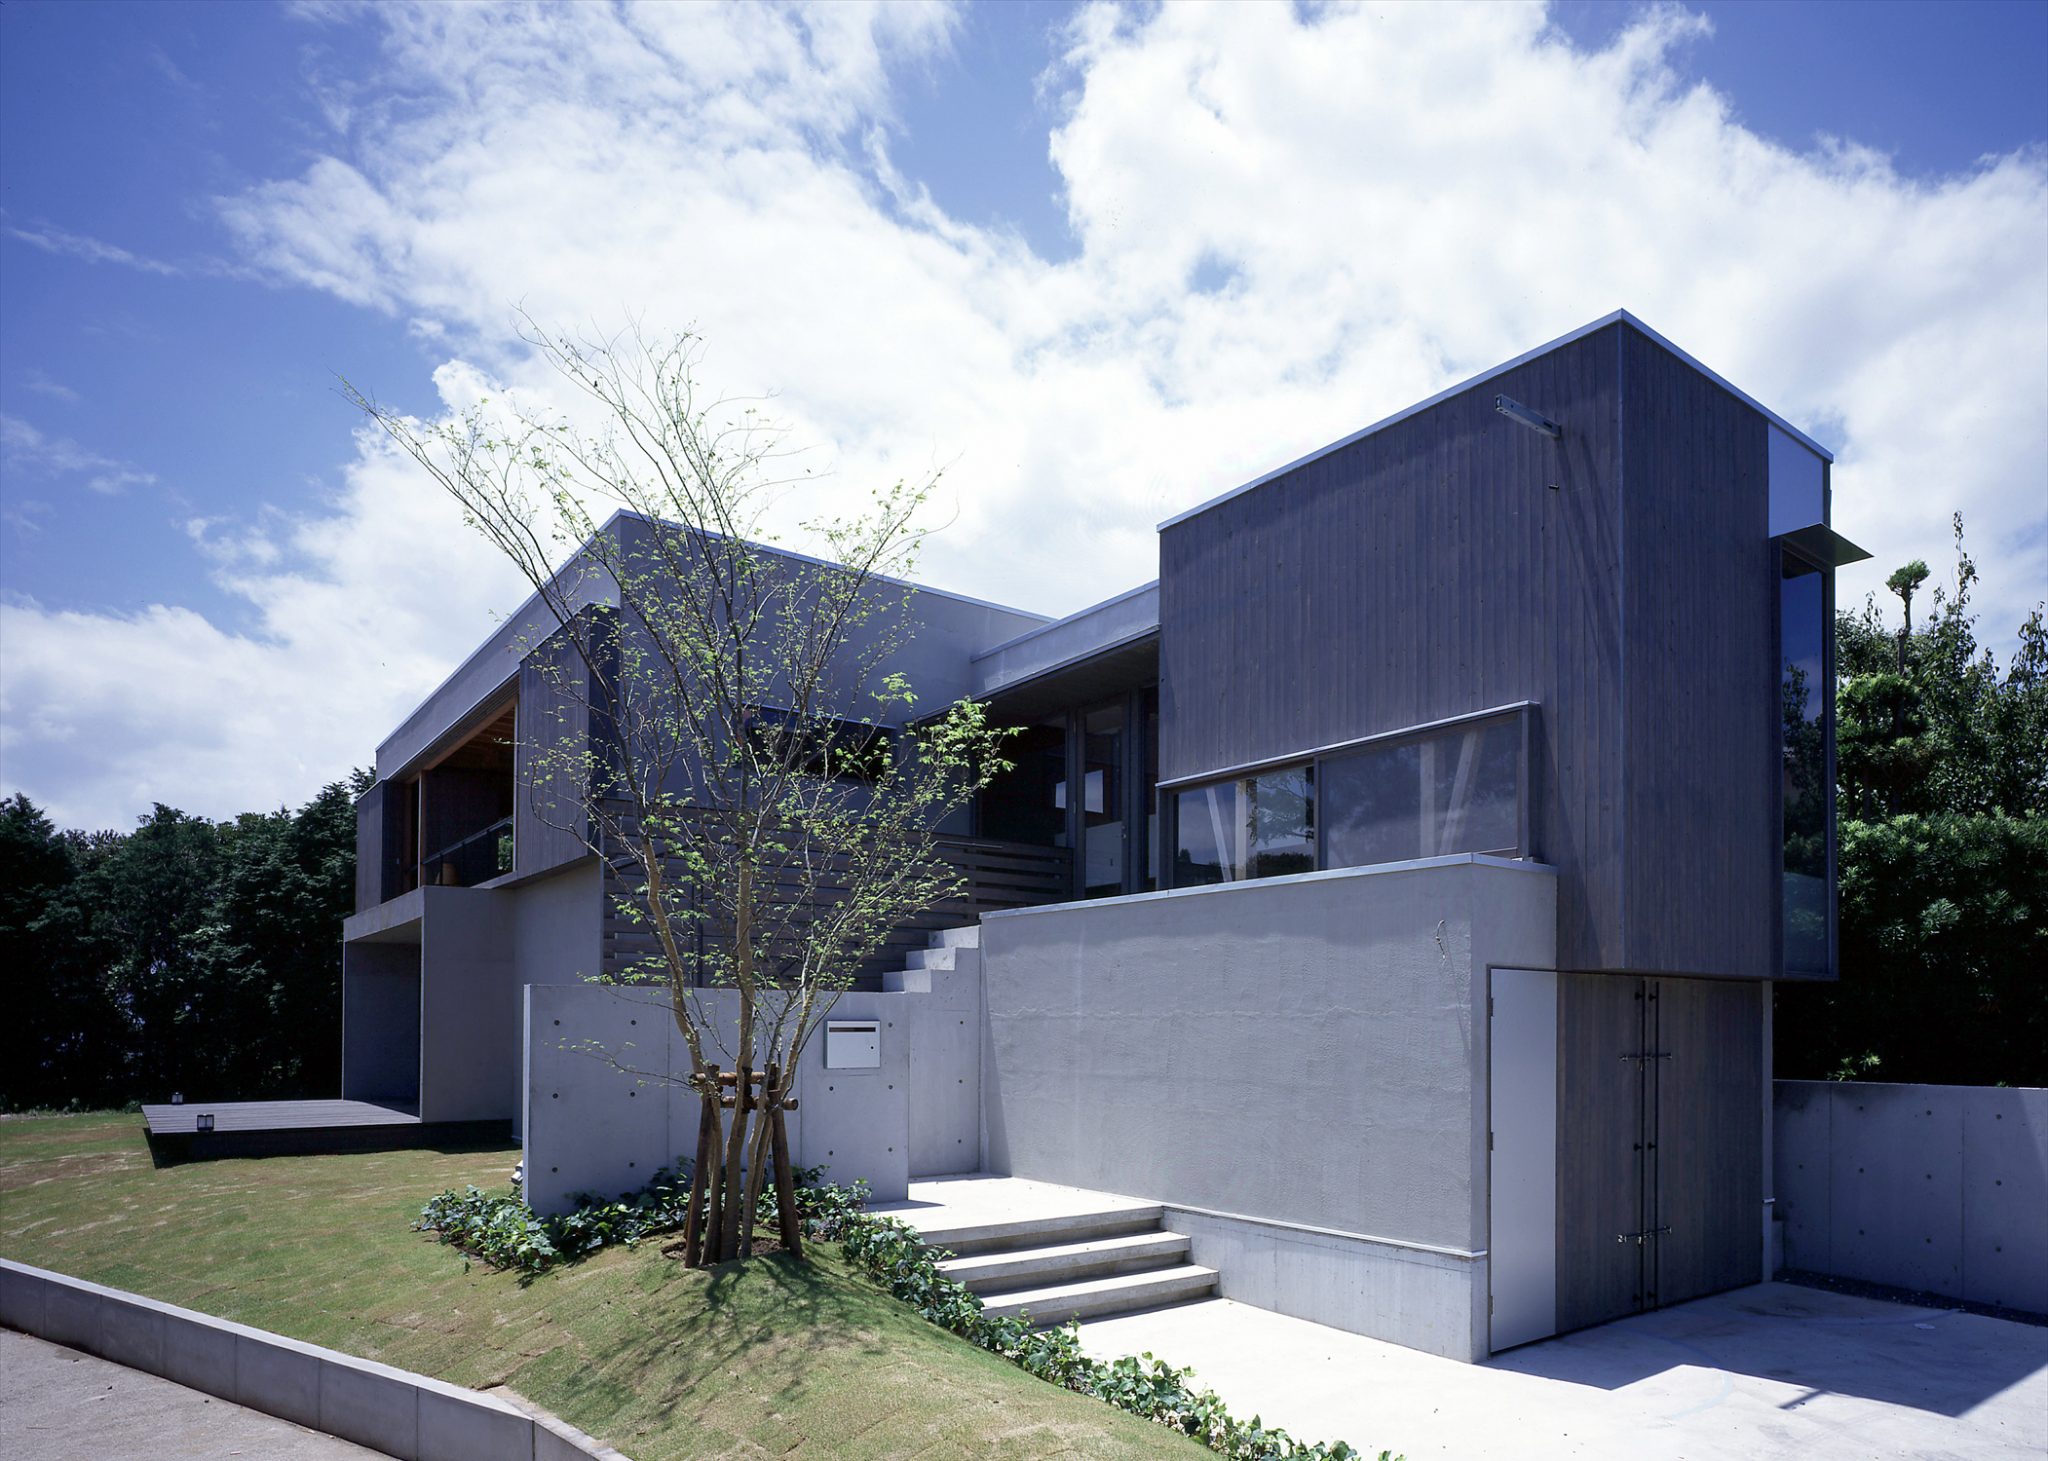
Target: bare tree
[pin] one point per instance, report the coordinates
(736, 739)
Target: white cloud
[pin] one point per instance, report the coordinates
(1378, 202)
(26, 450)
(92, 250)
(42, 385)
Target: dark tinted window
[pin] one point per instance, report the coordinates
(1803, 693)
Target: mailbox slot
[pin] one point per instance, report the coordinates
(853, 1044)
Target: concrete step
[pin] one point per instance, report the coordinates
(906, 981)
(958, 938)
(969, 1239)
(989, 1273)
(964, 957)
(1117, 1294)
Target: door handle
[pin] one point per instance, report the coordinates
(1637, 1238)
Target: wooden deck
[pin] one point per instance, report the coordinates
(183, 1119)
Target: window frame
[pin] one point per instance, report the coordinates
(1523, 712)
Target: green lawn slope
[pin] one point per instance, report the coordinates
(769, 1358)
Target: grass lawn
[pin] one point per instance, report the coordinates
(769, 1358)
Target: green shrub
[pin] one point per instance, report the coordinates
(502, 1231)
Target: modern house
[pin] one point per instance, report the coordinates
(1393, 889)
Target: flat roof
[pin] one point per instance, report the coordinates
(1619, 317)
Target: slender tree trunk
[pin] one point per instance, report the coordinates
(757, 1154)
(733, 1219)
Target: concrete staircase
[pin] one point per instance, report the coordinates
(1085, 1256)
(952, 950)
(1077, 1265)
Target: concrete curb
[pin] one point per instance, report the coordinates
(412, 1417)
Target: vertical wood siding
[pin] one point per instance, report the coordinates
(547, 809)
(1425, 571)
(1621, 577)
(372, 857)
(1700, 604)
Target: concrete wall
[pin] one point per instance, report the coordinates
(393, 1411)
(380, 1022)
(1941, 1189)
(1296, 1068)
(603, 1110)
(1302, 1049)
(469, 1027)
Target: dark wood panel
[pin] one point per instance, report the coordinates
(548, 818)
(1599, 1148)
(1448, 563)
(1709, 1122)
(1700, 594)
(372, 859)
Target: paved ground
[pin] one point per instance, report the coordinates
(59, 1405)
(1774, 1370)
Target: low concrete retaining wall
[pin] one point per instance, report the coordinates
(409, 1416)
(1939, 1189)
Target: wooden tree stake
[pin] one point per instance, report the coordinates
(785, 1180)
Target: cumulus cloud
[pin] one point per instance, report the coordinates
(1288, 223)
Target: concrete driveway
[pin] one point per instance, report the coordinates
(1775, 1370)
(59, 1405)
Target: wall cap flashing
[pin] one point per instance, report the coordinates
(1029, 634)
(1289, 880)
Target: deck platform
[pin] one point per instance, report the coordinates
(280, 1128)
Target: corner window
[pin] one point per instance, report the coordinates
(1804, 691)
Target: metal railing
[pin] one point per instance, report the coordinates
(477, 858)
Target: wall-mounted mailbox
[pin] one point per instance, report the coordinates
(853, 1044)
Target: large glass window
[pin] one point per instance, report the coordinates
(1103, 801)
(1028, 802)
(1148, 803)
(1459, 791)
(1258, 826)
(1804, 692)
(1456, 788)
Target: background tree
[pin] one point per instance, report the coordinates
(186, 955)
(1942, 769)
(770, 831)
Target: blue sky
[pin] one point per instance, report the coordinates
(208, 213)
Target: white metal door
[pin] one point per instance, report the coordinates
(1522, 1171)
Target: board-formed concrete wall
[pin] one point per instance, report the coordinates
(1938, 1189)
(1296, 1067)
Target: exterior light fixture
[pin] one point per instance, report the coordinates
(204, 1121)
(1514, 410)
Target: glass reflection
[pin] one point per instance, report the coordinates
(1258, 826)
(1455, 792)
(1802, 639)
